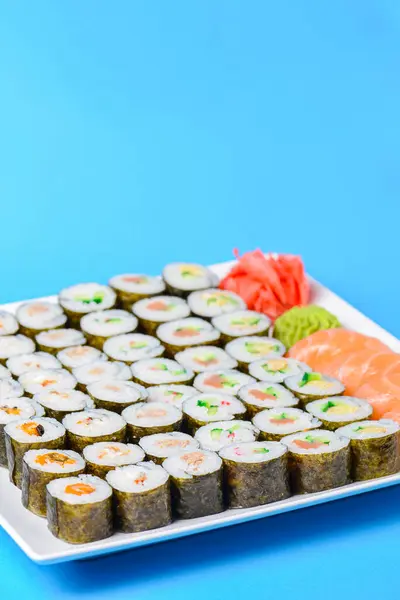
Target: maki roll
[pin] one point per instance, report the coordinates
(83, 298)
(58, 403)
(142, 498)
(183, 278)
(30, 434)
(219, 434)
(32, 362)
(184, 333)
(79, 509)
(14, 409)
(79, 356)
(261, 395)
(103, 457)
(100, 370)
(313, 386)
(9, 388)
(277, 370)
(99, 326)
(318, 460)
(160, 446)
(132, 347)
(214, 302)
(93, 425)
(39, 467)
(249, 348)
(147, 418)
(8, 323)
(226, 382)
(38, 316)
(116, 395)
(12, 345)
(276, 423)
(374, 448)
(132, 287)
(201, 359)
(338, 412)
(54, 340)
(152, 312)
(196, 483)
(171, 394)
(241, 323)
(34, 382)
(255, 473)
(155, 371)
(207, 408)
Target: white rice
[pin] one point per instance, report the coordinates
(213, 407)
(366, 430)
(215, 436)
(267, 395)
(93, 422)
(277, 370)
(329, 441)
(13, 409)
(4, 372)
(284, 421)
(43, 430)
(32, 362)
(106, 323)
(189, 276)
(132, 347)
(227, 382)
(100, 370)
(136, 479)
(61, 489)
(253, 452)
(325, 386)
(8, 323)
(151, 414)
(250, 348)
(163, 445)
(9, 388)
(154, 371)
(187, 332)
(242, 322)
(340, 408)
(134, 283)
(41, 315)
(113, 390)
(61, 338)
(55, 461)
(77, 356)
(64, 400)
(39, 410)
(187, 465)
(87, 297)
(11, 345)
(171, 394)
(113, 454)
(213, 302)
(160, 309)
(34, 382)
(203, 359)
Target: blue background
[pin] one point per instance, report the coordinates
(134, 133)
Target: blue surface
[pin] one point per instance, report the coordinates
(135, 133)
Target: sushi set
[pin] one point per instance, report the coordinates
(156, 407)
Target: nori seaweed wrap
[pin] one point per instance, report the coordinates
(131, 287)
(242, 323)
(34, 382)
(131, 347)
(186, 333)
(253, 348)
(313, 386)
(59, 403)
(13, 409)
(213, 302)
(100, 370)
(84, 298)
(100, 326)
(156, 371)
(93, 425)
(55, 340)
(38, 316)
(8, 323)
(148, 418)
(78, 356)
(160, 446)
(116, 395)
(103, 457)
(12, 345)
(201, 359)
(183, 278)
(152, 312)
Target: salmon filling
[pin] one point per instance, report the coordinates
(79, 489)
(54, 458)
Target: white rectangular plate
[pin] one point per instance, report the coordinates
(31, 533)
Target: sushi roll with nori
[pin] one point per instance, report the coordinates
(93, 425)
(55, 340)
(34, 382)
(219, 434)
(9, 388)
(261, 395)
(132, 287)
(318, 460)
(276, 423)
(171, 394)
(202, 359)
(30, 434)
(227, 382)
(255, 473)
(79, 509)
(100, 370)
(79, 356)
(103, 457)
(375, 447)
(141, 495)
(12, 345)
(34, 317)
(214, 302)
(242, 323)
(147, 418)
(14, 409)
(313, 386)
(250, 348)
(278, 369)
(160, 446)
(116, 395)
(207, 408)
(338, 412)
(39, 467)
(83, 298)
(32, 362)
(100, 326)
(152, 312)
(8, 323)
(131, 347)
(196, 483)
(59, 403)
(183, 278)
(185, 333)
(155, 371)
